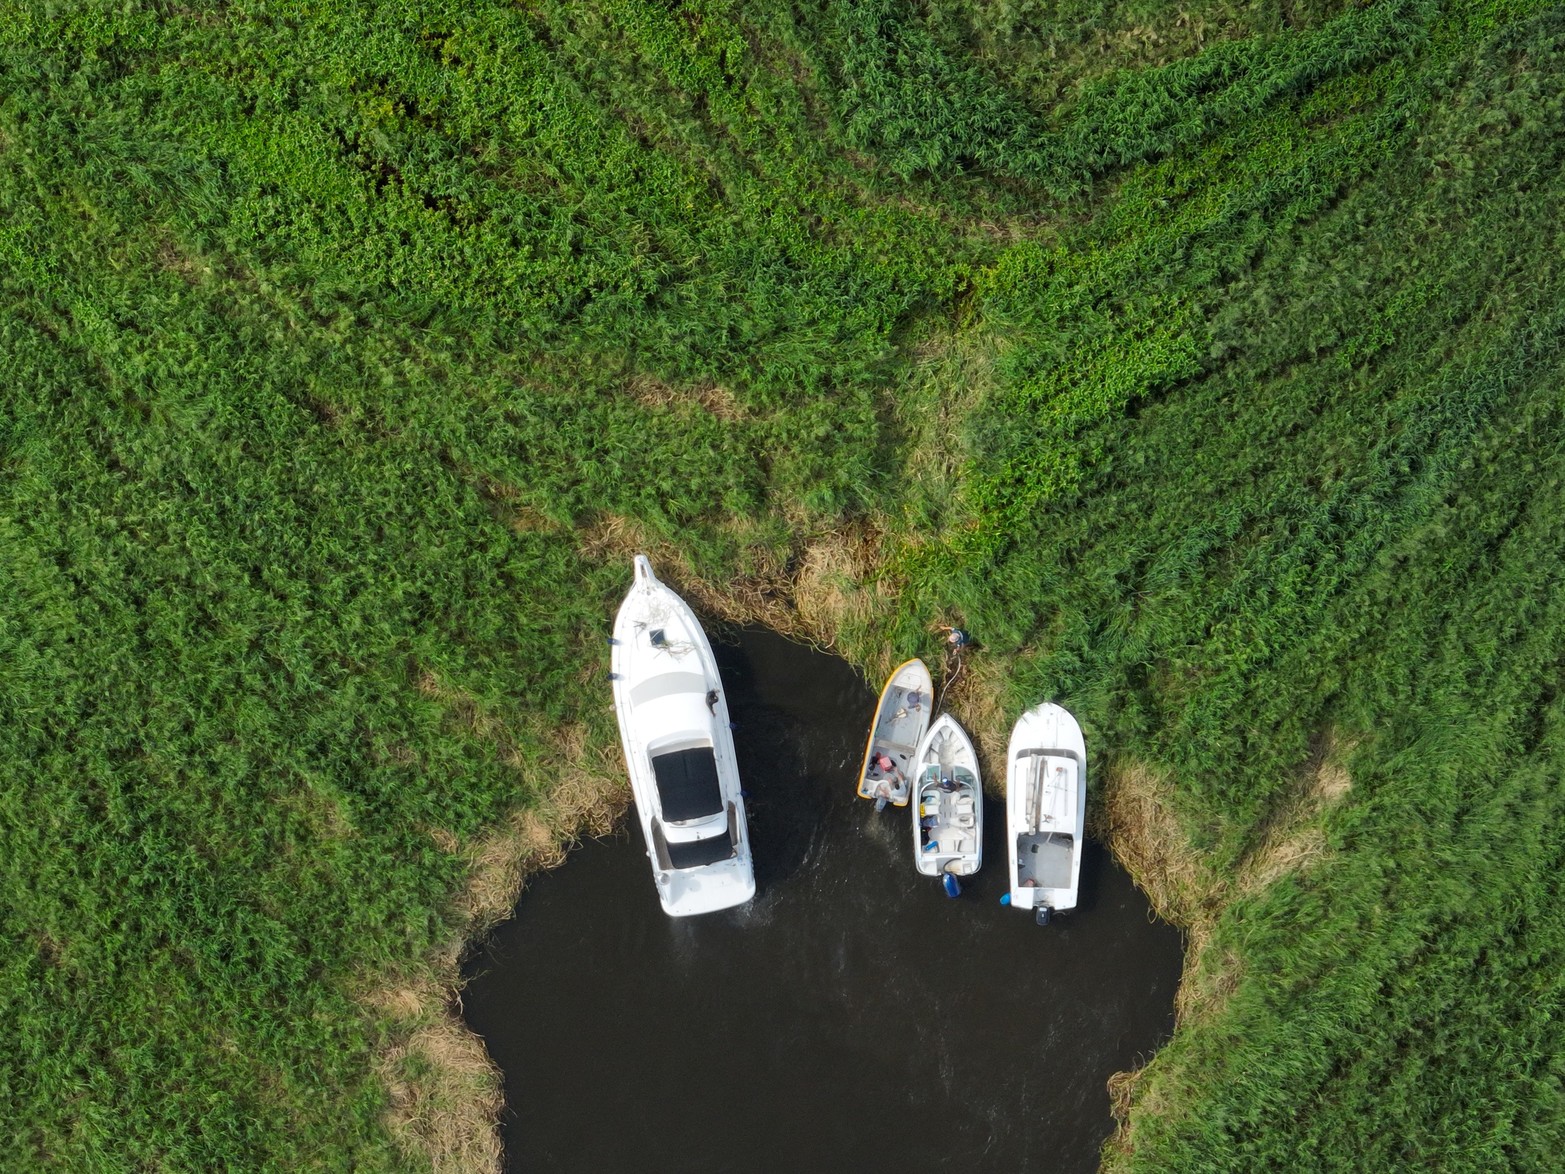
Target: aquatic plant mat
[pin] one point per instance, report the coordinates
(1203, 364)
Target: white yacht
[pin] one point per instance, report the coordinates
(679, 749)
(1046, 807)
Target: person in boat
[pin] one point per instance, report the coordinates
(890, 778)
(948, 784)
(885, 791)
(914, 702)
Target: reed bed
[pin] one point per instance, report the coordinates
(1203, 364)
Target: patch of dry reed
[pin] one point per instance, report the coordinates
(709, 397)
(444, 1091)
(1292, 836)
(812, 589)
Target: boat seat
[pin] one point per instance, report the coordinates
(964, 812)
(667, 685)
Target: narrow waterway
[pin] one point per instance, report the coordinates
(852, 1017)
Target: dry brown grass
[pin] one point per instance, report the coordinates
(709, 397)
(174, 259)
(1135, 818)
(508, 504)
(445, 1092)
(322, 811)
(524, 519)
(1292, 837)
(464, 710)
(815, 589)
(1122, 1088)
(586, 795)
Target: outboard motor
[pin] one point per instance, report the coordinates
(953, 887)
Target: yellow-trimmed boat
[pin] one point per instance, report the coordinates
(901, 717)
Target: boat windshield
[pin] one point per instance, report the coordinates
(695, 853)
(687, 784)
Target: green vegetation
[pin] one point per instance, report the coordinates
(1206, 365)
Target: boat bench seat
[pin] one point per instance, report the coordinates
(950, 841)
(667, 685)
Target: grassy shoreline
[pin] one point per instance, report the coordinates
(449, 1112)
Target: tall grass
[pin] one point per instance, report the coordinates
(1208, 373)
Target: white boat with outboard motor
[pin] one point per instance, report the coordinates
(948, 816)
(901, 718)
(1045, 807)
(679, 750)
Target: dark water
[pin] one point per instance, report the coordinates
(852, 1017)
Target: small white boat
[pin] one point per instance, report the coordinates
(679, 749)
(948, 818)
(1046, 806)
(901, 717)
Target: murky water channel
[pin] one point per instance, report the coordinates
(852, 1017)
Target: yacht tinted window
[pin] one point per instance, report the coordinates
(687, 784)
